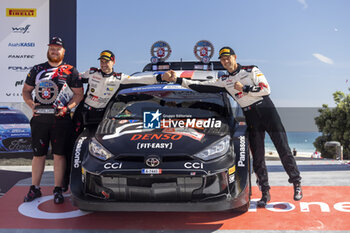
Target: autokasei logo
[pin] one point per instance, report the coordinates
(22, 44)
(151, 120)
(21, 29)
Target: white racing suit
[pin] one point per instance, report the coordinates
(101, 89)
(261, 116)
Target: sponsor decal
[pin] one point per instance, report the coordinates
(21, 29)
(231, 178)
(77, 161)
(304, 206)
(232, 169)
(115, 165)
(151, 120)
(194, 165)
(147, 137)
(22, 44)
(19, 83)
(151, 171)
(20, 12)
(22, 56)
(20, 68)
(14, 94)
(241, 161)
(188, 132)
(154, 145)
(152, 161)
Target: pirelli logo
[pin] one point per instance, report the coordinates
(20, 12)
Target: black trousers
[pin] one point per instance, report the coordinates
(263, 117)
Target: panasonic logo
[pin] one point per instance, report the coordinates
(241, 162)
(77, 153)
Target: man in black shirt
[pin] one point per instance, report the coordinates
(51, 122)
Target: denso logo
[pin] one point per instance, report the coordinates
(21, 29)
(24, 44)
(113, 165)
(241, 151)
(77, 153)
(173, 137)
(194, 165)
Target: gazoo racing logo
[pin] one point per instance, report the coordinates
(241, 161)
(77, 153)
(152, 120)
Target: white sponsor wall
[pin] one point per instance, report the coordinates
(24, 35)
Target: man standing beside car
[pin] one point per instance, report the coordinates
(51, 124)
(249, 87)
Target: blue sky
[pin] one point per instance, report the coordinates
(302, 46)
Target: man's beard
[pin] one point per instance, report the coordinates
(55, 59)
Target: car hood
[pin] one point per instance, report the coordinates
(127, 137)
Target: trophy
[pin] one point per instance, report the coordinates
(46, 92)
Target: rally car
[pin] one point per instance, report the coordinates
(15, 134)
(164, 148)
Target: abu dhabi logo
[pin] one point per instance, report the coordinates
(151, 120)
(21, 29)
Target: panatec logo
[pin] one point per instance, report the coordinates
(21, 29)
(22, 56)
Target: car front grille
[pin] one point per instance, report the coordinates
(160, 188)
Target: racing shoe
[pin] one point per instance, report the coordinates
(264, 199)
(298, 194)
(32, 194)
(58, 197)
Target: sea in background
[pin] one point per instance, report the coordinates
(301, 141)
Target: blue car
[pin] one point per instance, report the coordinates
(15, 134)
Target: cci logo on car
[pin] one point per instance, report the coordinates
(113, 165)
(152, 161)
(194, 165)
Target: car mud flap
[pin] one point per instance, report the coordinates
(242, 152)
(79, 152)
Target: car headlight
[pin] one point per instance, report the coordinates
(97, 150)
(215, 150)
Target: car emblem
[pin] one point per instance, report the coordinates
(152, 161)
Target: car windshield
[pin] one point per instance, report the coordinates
(174, 104)
(13, 118)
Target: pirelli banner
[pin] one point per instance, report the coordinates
(25, 29)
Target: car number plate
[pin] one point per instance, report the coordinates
(151, 171)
